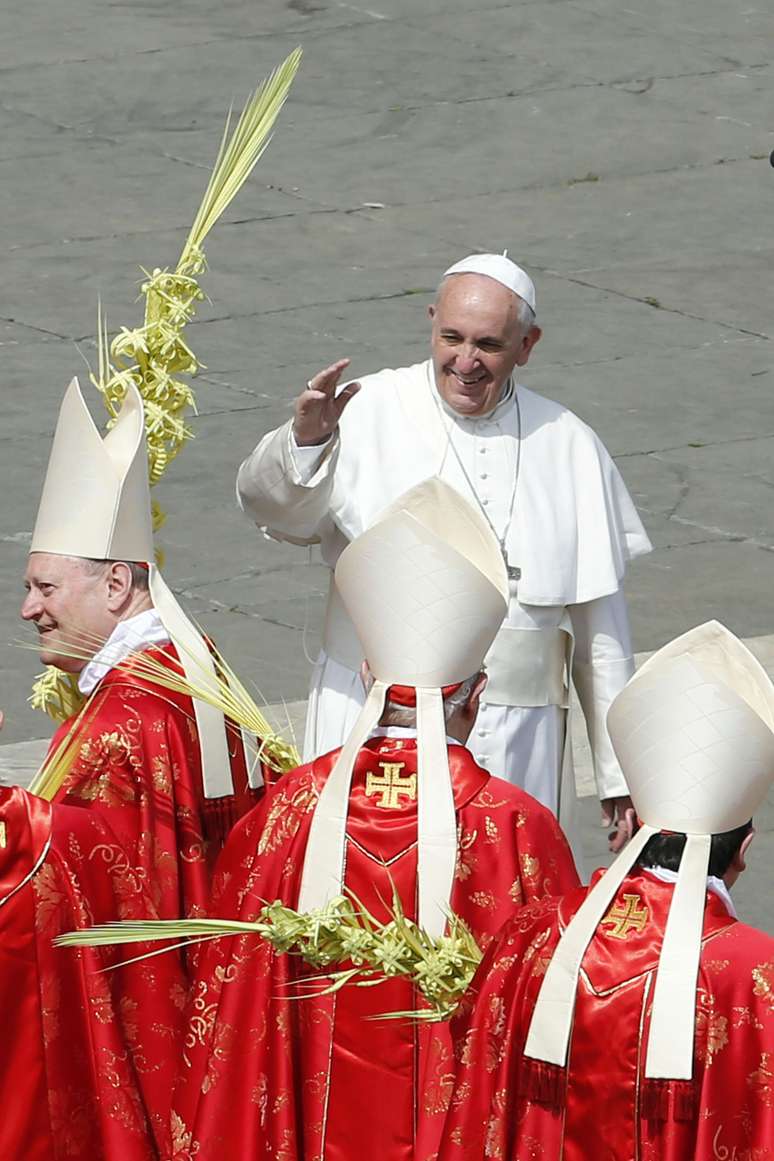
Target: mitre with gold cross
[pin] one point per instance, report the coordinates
(694, 733)
(96, 504)
(427, 590)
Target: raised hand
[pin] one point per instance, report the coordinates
(619, 813)
(318, 409)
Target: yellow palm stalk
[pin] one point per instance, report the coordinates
(154, 356)
(226, 693)
(52, 774)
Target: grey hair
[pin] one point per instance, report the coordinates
(526, 317)
(406, 715)
(140, 576)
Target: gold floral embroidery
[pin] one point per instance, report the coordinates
(161, 773)
(50, 988)
(761, 1081)
(492, 1145)
(763, 977)
(221, 1045)
(530, 866)
(125, 1105)
(494, 1032)
(492, 830)
(103, 771)
(49, 897)
(284, 818)
(516, 892)
(439, 1084)
(260, 1097)
(711, 1029)
(744, 1016)
(128, 882)
(184, 1148)
(467, 861)
(538, 951)
(484, 899)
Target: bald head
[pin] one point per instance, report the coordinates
(481, 330)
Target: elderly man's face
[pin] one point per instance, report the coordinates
(69, 607)
(477, 340)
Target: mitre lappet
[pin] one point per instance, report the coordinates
(96, 504)
(427, 590)
(693, 731)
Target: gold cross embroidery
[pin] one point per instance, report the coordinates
(390, 785)
(623, 919)
(626, 918)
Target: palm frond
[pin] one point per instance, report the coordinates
(238, 155)
(57, 765)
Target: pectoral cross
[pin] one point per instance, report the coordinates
(625, 918)
(514, 572)
(390, 785)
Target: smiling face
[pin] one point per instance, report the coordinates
(477, 340)
(69, 605)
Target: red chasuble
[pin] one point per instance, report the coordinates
(139, 767)
(81, 1078)
(507, 1108)
(273, 1077)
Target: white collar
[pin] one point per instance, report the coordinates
(717, 886)
(404, 732)
(128, 636)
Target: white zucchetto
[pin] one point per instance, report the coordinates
(499, 267)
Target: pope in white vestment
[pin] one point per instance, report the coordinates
(542, 479)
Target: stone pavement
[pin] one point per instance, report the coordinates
(620, 153)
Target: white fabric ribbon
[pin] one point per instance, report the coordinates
(670, 1040)
(436, 816)
(551, 1025)
(671, 1037)
(323, 875)
(199, 668)
(324, 863)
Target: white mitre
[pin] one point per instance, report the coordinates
(427, 590)
(694, 733)
(96, 504)
(499, 267)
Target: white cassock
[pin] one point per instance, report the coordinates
(555, 499)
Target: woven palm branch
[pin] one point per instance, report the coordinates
(155, 356)
(342, 932)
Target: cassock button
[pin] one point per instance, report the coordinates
(485, 500)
